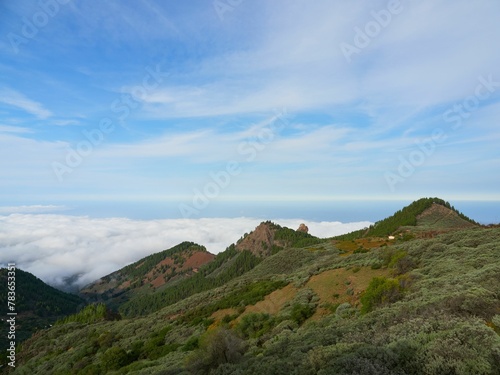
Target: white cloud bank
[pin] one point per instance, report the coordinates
(58, 247)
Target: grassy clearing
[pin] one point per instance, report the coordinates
(274, 302)
(363, 245)
(341, 285)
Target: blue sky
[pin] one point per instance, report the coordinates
(279, 100)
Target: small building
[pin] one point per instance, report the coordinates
(391, 238)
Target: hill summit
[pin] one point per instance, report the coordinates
(422, 217)
(269, 238)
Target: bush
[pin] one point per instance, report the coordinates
(344, 310)
(216, 348)
(156, 347)
(115, 358)
(192, 344)
(255, 325)
(380, 291)
(300, 313)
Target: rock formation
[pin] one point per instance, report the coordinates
(303, 228)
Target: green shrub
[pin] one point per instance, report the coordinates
(192, 344)
(114, 358)
(216, 348)
(255, 325)
(229, 318)
(156, 347)
(361, 250)
(344, 310)
(301, 312)
(106, 339)
(379, 292)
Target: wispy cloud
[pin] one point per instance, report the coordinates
(66, 122)
(19, 100)
(299, 65)
(353, 120)
(14, 129)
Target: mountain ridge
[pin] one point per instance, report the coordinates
(148, 274)
(281, 302)
(411, 217)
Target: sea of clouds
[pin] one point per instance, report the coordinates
(71, 251)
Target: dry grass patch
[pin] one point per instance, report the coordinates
(348, 247)
(273, 302)
(341, 285)
(219, 314)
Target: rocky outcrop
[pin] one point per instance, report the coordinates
(260, 241)
(303, 228)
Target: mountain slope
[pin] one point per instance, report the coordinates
(37, 304)
(267, 239)
(420, 215)
(439, 216)
(149, 274)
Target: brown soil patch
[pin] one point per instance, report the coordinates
(198, 259)
(195, 260)
(273, 302)
(165, 262)
(159, 281)
(337, 286)
(124, 285)
(219, 314)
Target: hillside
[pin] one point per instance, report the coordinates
(426, 214)
(438, 217)
(149, 274)
(308, 306)
(37, 304)
(266, 239)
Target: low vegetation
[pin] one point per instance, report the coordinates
(38, 305)
(421, 306)
(227, 265)
(407, 216)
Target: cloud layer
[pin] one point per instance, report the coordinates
(58, 247)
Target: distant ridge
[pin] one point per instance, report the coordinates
(420, 214)
(37, 304)
(149, 274)
(264, 241)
